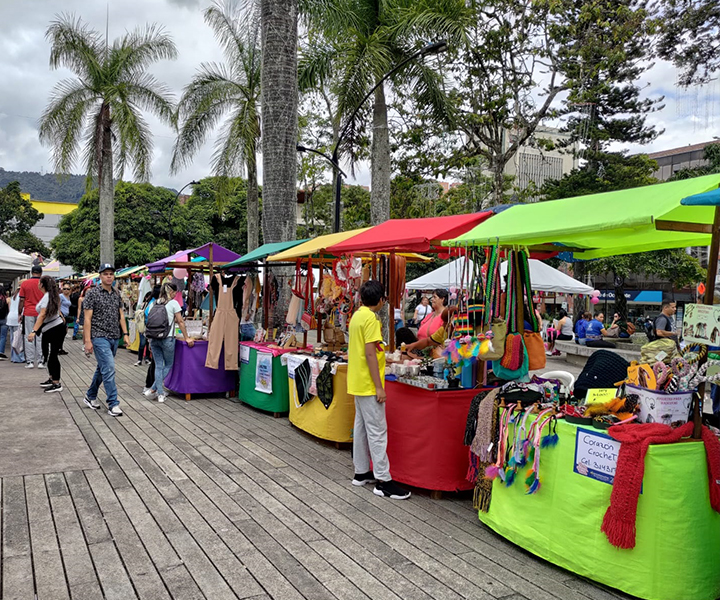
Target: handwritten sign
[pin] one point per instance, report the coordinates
(600, 395)
(263, 373)
(596, 455)
(244, 354)
(701, 324)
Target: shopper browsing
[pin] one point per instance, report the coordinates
(51, 324)
(160, 330)
(30, 295)
(17, 355)
(4, 310)
(104, 323)
(365, 380)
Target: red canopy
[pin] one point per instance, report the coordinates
(410, 235)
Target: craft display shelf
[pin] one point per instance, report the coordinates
(678, 533)
(189, 375)
(278, 402)
(425, 437)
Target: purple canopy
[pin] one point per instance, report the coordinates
(219, 254)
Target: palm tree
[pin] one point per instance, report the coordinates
(100, 110)
(364, 40)
(231, 89)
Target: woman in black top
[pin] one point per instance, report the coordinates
(51, 324)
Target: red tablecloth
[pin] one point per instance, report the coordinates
(425, 436)
(189, 375)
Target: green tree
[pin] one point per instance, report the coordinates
(362, 40)
(99, 112)
(17, 217)
(231, 89)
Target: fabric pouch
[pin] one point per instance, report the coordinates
(499, 331)
(535, 348)
(514, 354)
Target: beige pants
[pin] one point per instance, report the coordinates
(224, 331)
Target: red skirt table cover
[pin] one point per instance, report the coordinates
(189, 375)
(425, 436)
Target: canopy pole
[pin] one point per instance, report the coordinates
(391, 310)
(210, 305)
(708, 300)
(266, 299)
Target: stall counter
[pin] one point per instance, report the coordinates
(678, 533)
(425, 436)
(278, 401)
(189, 375)
(334, 423)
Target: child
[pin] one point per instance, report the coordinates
(366, 375)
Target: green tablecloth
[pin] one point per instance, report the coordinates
(677, 552)
(278, 401)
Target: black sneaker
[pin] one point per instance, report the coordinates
(91, 403)
(390, 489)
(47, 383)
(361, 479)
(62, 352)
(55, 387)
(3, 357)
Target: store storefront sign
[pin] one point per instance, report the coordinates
(637, 296)
(596, 455)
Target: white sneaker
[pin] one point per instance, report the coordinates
(29, 366)
(146, 390)
(150, 394)
(138, 363)
(161, 398)
(115, 411)
(41, 365)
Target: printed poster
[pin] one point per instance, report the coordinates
(263, 373)
(244, 354)
(596, 455)
(701, 324)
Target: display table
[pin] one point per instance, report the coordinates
(425, 436)
(279, 400)
(334, 423)
(189, 375)
(678, 533)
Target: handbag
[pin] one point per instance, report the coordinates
(535, 350)
(514, 353)
(296, 301)
(499, 333)
(17, 341)
(509, 374)
(308, 321)
(534, 345)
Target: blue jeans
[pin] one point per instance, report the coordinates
(247, 332)
(76, 326)
(105, 350)
(164, 355)
(3, 335)
(16, 357)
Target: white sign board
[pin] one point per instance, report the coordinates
(244, 354)
(701, 324)
(596, 455)
(263, 372)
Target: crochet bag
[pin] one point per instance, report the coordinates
(296, 301)
(509, 374)
(534, 344)
(499, 332)
(491, 316)
(308, 321)
(514, 352)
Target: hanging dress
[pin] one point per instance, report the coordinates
(224, 329)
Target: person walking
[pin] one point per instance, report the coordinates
(65, 304)
(143, 346)
(161, 334)
(13, 323)
(104, 323)
(51, 324)
(29, 297)
(4, 310)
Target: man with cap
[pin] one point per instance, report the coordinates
(103, 326)
(30, 295)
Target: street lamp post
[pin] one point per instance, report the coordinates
(172, 210)
(434, 48)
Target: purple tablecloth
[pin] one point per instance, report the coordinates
(189, 375)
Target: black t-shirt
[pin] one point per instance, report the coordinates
(4, 308)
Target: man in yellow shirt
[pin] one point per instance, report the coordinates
(365, 380)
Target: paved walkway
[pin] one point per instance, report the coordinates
(212, 499)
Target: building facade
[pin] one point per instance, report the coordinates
(673, 160)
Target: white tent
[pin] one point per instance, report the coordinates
(13, 263)
(544, 278)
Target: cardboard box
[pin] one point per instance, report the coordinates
(661, 407)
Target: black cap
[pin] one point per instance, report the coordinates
(36, 269)
(106, 267)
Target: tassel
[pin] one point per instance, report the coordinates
(492, 472)
(534, 487)
(509, 477)
(549, 440)
(501, 474)
(530, 478)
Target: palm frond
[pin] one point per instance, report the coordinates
(62, 121)
(139, 49)
(209, 96)
(133, 139)
(427, 85)
(430, 19)
(315, 65)
(148, 93)
(75, 45)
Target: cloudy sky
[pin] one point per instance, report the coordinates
(688, 117)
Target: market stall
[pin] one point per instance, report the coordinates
(189, 375)
(586, 505)
(263, 378)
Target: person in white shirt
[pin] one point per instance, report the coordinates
(13, 324)
(163, 349)
(51, 325)
(422, 310)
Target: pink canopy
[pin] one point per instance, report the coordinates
(219, 254)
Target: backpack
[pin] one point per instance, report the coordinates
(156, 325)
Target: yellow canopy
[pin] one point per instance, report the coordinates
(314, 248)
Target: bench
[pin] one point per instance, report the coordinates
(577, 355)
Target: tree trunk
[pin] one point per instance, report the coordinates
(252, 202)
(498, 182)
(380, 162)
(620, 300)
(106, 191)
(279, 105)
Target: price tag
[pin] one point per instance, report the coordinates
(599, 395)
(224, 288)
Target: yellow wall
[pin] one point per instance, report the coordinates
(51, 208)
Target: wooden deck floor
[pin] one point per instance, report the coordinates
(212, 499)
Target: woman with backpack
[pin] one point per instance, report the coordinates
(160, 331)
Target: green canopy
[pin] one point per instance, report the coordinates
(263, 252)
(597, 225)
